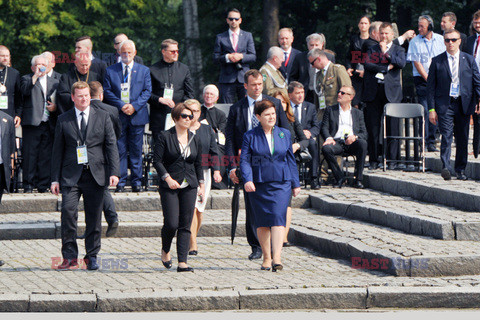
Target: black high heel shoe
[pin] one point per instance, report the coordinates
(187, 269)
(265, 268)
(167, 264)
(277, 267)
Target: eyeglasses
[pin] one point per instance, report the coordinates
(343, 92)
(185, 116)
(451, 40)
(117, 43)
(313, 62)
(231, 19)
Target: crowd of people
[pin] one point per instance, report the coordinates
(84, 130)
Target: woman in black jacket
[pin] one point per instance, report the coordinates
(177, 159)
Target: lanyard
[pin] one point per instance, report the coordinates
(78, 77)
(5, 78)
(426, 46)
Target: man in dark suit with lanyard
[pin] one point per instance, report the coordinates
(453, 90)
(84, 145)
(234, 51)
(241, 118)
(10, 95)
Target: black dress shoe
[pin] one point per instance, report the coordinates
(192, 253)
(446, 175)
(120, 189)
(287, 244)
(27, 189)
(432, 148)
(339, 183)
(401, 166)
(136, 189)
(187, 269)
(373, 166)
(92, 264)
(256, 254)
(392, 166)
(2, 263)
(83, 236)
(461, 175)
(265, 268)
(314, 185)
(112, 229)
(277, 267)
(68, 264)
(167, 264)
(358, 185)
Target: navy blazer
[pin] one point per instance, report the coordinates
(440, 78)
(259, 165)
(309, 118)
(223, 46)
(377, 62)
(237, 123)
(288, 69)
(140, 91)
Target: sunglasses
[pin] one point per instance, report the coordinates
(451, 40)
(313, 62)
(343, 93)
(232, 19)
(173, 51)
(185, 116)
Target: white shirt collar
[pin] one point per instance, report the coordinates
(230, 32)
(341, 110)
(86, 111)
(326, 67)
(251, 100)
(288, 51)
(457, 55)
(130, 66)
(50, 73)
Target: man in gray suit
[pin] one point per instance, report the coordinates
(84, 152)
(38, 115)
(7, 143)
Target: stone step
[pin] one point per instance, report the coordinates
(401, 213)
(472, 171)
(372, 247)
(426, 187)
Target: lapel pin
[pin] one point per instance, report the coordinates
(281, 135)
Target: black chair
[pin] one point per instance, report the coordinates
(405, 111)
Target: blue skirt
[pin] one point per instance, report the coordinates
(269, 203)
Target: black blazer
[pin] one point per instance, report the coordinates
(56, 75)
(309, 119)
(377, 62)
(331, 119)
(208, 143)
(299, 71)
(288, 69)
(167, 158)
(34, 99)
(469, 46)
(237, 123)
(113, 58)
(15, 102)
(113, 112)
(7, 132)
(297, 134)
(216, 118)
(175, 73)
(64, 98)
(101, 147)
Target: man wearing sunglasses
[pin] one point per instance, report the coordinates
(453, 88)
(234, 51)
(115, 57)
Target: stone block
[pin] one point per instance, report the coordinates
(468, 230)
(63, 302)
(20, 231)
(442, 266)
(14, 302)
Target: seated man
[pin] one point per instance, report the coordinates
(343, 129)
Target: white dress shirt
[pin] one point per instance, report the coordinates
(345, 123)
(79, 117)
(250, 109)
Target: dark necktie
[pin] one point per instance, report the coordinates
(83, 126)
(255, 121)
(296, 112)
(125, 75)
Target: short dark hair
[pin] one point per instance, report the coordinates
(95, 88)
(263, 105)
(178, 109)
(452, 31)
(233, 10)
(386, 25)
(83, 38)
(451, 15)
(252, 72)
(476, 15)
(168, 42)
(294, 84)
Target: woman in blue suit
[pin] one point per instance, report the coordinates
(270, 174)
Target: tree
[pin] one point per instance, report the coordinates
(271, 25)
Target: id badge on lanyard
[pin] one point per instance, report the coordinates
(82, 154)
(168, 92)
(4, 102)
(125, 92)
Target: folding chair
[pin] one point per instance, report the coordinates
(404, 111)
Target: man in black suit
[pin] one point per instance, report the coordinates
(7, 141)
(285, 40)
(10, 95)
(84, 44)
(234, 51)
(109, 211)
(241, 118)
(217, 119)
(449, 21)
(306, 113)
(84, 146)
(453, 90)
(37, 89)
(171, 84)
(81, 71)
(382, 84)
(343, 129)
(302, 71)
(115, 57)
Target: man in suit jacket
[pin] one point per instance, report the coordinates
(306, 113)
(128, 87)
(241, 118)
(453, 91)
(272, 77)
(285, 40)
(84, 44)
(449, 21)
(343, 129)
(302, 71)
(10, 87)
(37, 89)
(217, 119)
(109, 211)
(383, 84)
(115, 57)
(84, 154)
(234, 51)
(171, 84)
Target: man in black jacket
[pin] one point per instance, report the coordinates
(113, 58)
(171, 84)
(10, 94)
